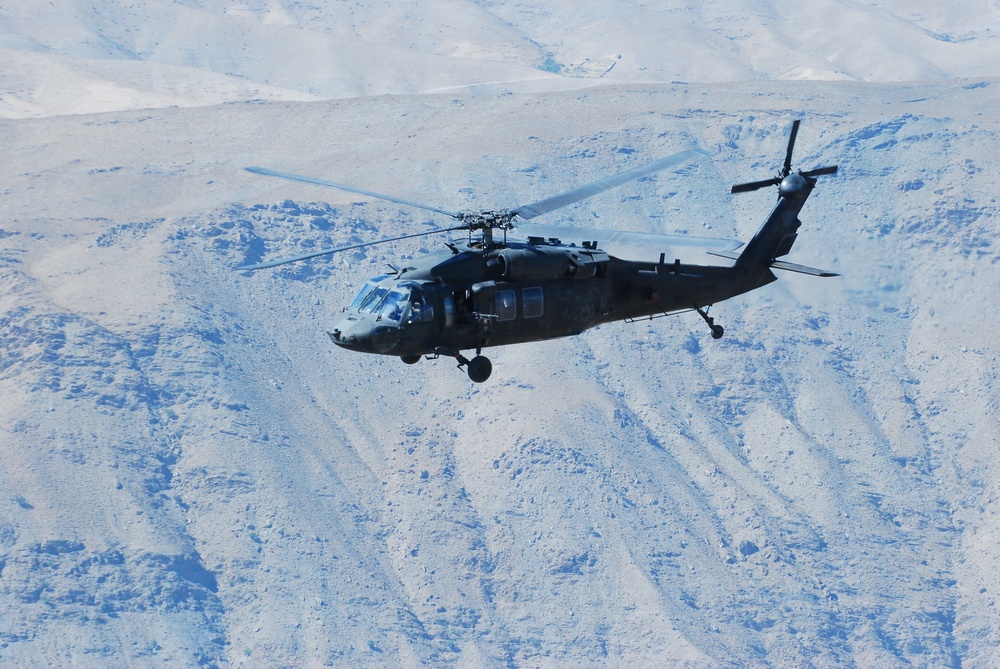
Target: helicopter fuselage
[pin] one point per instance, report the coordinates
(472, 298)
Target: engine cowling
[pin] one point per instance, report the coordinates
(533, 263)
(547, 263)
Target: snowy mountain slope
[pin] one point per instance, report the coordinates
(194, 476)
(76, 56)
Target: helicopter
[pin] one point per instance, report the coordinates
(491, 291)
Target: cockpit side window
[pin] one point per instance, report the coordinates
(421, 308)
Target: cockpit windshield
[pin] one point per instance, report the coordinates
(394, 303)
(366, 296)
(402, 302)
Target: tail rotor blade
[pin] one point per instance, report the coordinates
(787, 168)
(755, 185)
(820, 171)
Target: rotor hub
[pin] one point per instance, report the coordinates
(794, 187)
(501, 219)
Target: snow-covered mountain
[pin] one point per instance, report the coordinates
(194, 476)
(85, 56)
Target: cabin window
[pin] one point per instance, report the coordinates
(449, 310)
(534, 303)
(506, 305)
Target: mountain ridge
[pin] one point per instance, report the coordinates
(195, 476)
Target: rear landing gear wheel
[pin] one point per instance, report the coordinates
(480, 368)
(717, 330)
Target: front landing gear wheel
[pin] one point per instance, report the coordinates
(717, 332)
(480, 368)
(410, 359)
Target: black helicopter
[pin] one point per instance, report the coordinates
(489, 292)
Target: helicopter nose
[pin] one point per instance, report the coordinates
(364, 334)
(351, 332)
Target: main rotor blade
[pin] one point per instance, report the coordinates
(648, 239)
(314, 254)
(635, 246)
(791, 145)
(349, 189)
(554, 202)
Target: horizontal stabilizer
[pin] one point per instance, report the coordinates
(732, 255)
(778, 264)
(801, 269)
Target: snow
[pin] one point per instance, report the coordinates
(73, 57)
(194, 476)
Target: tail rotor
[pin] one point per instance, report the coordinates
(786, 168)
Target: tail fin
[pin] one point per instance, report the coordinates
(772, 241)
(776, 237)
(779, 232)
